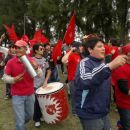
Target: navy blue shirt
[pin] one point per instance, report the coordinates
(92, 88)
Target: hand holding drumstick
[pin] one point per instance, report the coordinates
(18, 77)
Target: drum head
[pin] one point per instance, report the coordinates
(51, 87)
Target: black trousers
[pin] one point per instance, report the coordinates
(37, 111)
(8, 86)
(124, 118)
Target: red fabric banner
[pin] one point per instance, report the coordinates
(57, 51)
(11, 33)
(38, 38)
(70, 32)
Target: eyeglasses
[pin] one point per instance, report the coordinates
(41, 49)
(16, 47)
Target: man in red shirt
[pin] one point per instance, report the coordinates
(22, 85)
(72, 59)
(122, 89)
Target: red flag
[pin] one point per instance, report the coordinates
(57, 51)
(11, 33)
(32, 42)
(39, 37)
(25, 38)
(70, 32)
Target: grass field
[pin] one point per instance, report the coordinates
(70, 123)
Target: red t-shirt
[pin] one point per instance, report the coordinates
(122, 100)
(115, 52)
(107, 49)
(73, 61)
(24, 87)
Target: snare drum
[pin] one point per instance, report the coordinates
(53, 102)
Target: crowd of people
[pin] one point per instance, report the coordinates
(93, 68)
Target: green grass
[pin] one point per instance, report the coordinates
(7, 121)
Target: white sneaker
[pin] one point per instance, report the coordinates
(37, 124)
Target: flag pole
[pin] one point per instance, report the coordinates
(24, 29)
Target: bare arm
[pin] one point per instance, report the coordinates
(47, 78)
(2, 37)
(66, 56)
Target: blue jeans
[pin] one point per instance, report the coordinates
(23, 108)
(96, 124)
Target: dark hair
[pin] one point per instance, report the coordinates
(116, 42)
(47, 44)
(91, 43)
(11, 44)
(113, 41)
(75, 44)
(36, 47)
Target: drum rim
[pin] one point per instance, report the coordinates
(51, 92)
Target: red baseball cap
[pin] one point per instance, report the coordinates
(126, 49)
(21, 43)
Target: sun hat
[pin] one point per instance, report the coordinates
(20, 43)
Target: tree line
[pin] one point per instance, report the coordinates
(109, 18)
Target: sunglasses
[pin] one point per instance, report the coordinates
(41, 49)
(16, 47)
(19, 48)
